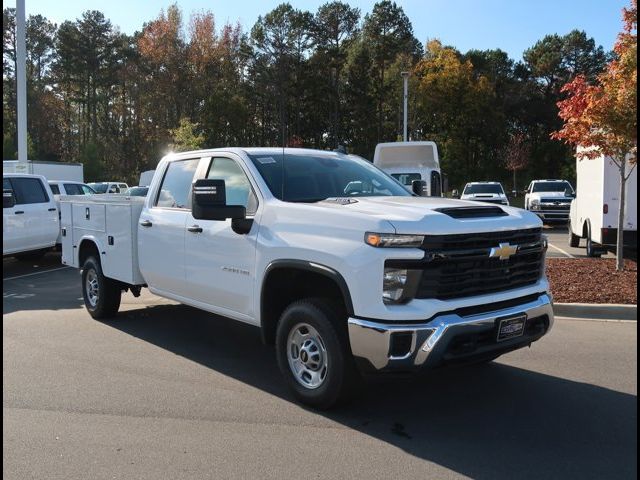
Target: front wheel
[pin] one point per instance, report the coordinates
(101, 294)
(314, 354)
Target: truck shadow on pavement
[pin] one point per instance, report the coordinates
(487, 422)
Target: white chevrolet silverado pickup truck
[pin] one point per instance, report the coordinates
(335, 261)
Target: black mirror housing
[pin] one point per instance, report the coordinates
(569, 193)
(210, 202)
(419, 187)
(8, 200)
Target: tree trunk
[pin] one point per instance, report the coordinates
(620, 239)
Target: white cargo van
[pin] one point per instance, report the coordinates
(410, 162)
(594, 211)
(30, 221)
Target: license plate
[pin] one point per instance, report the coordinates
(511, 327)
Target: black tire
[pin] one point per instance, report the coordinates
(592, 250)
(341, 379)
(574, 240)
(31, 256)
(106, 301)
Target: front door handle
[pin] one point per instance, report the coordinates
(195, 229)
(146, 223)
(19, 212)
(52, 210)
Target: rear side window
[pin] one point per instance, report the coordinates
(176, 184)
(72, 189)
(54, 188)
(29, 190)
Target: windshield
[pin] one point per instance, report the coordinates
(406, 178)
(312, 177)
(137, 191)
(99, 187)
(551, 186)
(483, 188)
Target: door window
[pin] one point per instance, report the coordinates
(176, 184)
(29, 190)
(72, 189)
(237, 186)
(54, 189)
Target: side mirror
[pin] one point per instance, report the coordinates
(455, 193)
(569, 193)
(210, 202)
(8, 200)
(419, 187)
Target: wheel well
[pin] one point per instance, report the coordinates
(284, 285)
(87, 249)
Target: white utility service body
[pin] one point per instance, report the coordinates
(594, 211)
(366, 257)
(409, 161)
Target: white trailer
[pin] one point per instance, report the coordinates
(594, 211)
(145, 178)
(411, 161)
(49, 170)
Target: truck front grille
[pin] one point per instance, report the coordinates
(457, 266)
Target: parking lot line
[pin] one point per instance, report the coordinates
(34, 273)
(561, 250)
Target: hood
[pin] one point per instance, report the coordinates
(558, 195)
(482, 195)
(420, 214)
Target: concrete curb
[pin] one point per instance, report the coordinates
(609, 311)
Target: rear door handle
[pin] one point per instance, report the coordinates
(52, 209)
(19, 212)
(195, 229)
(146, 223)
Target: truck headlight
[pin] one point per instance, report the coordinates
(535, 204)
(393, 240)
(393, 284)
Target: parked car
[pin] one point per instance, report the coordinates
(108, 187)
(549, 199)
(30, 223)
(594, 212)
(138, 191)
(61, 187)
(338, 264)
(488, 192)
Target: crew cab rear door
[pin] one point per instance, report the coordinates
(219, 263)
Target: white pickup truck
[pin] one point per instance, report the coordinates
(336, 262)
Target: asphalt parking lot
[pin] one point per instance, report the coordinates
(559, 244)
(166, 391)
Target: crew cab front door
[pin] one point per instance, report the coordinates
(219, 263)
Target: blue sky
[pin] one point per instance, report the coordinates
(512, 25)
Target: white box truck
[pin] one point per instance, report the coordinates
(594, 211)
(410, 162)
(49, 170)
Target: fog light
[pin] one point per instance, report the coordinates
(393, 284)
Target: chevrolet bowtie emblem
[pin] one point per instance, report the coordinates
(503, 251)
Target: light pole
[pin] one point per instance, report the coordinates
(21, 81)
(405, 96)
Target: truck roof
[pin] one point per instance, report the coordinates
(483, 183)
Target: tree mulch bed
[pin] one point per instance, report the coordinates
(592, 280)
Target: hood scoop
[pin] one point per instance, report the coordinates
(472, 212)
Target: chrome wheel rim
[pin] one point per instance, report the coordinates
(307, 356)
(91, 287)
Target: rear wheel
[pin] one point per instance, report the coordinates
(314, 355)
(101, 294)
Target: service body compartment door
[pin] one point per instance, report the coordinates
(118, 248)
(66, 235)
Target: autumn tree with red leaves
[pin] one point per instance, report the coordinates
(601, 118)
